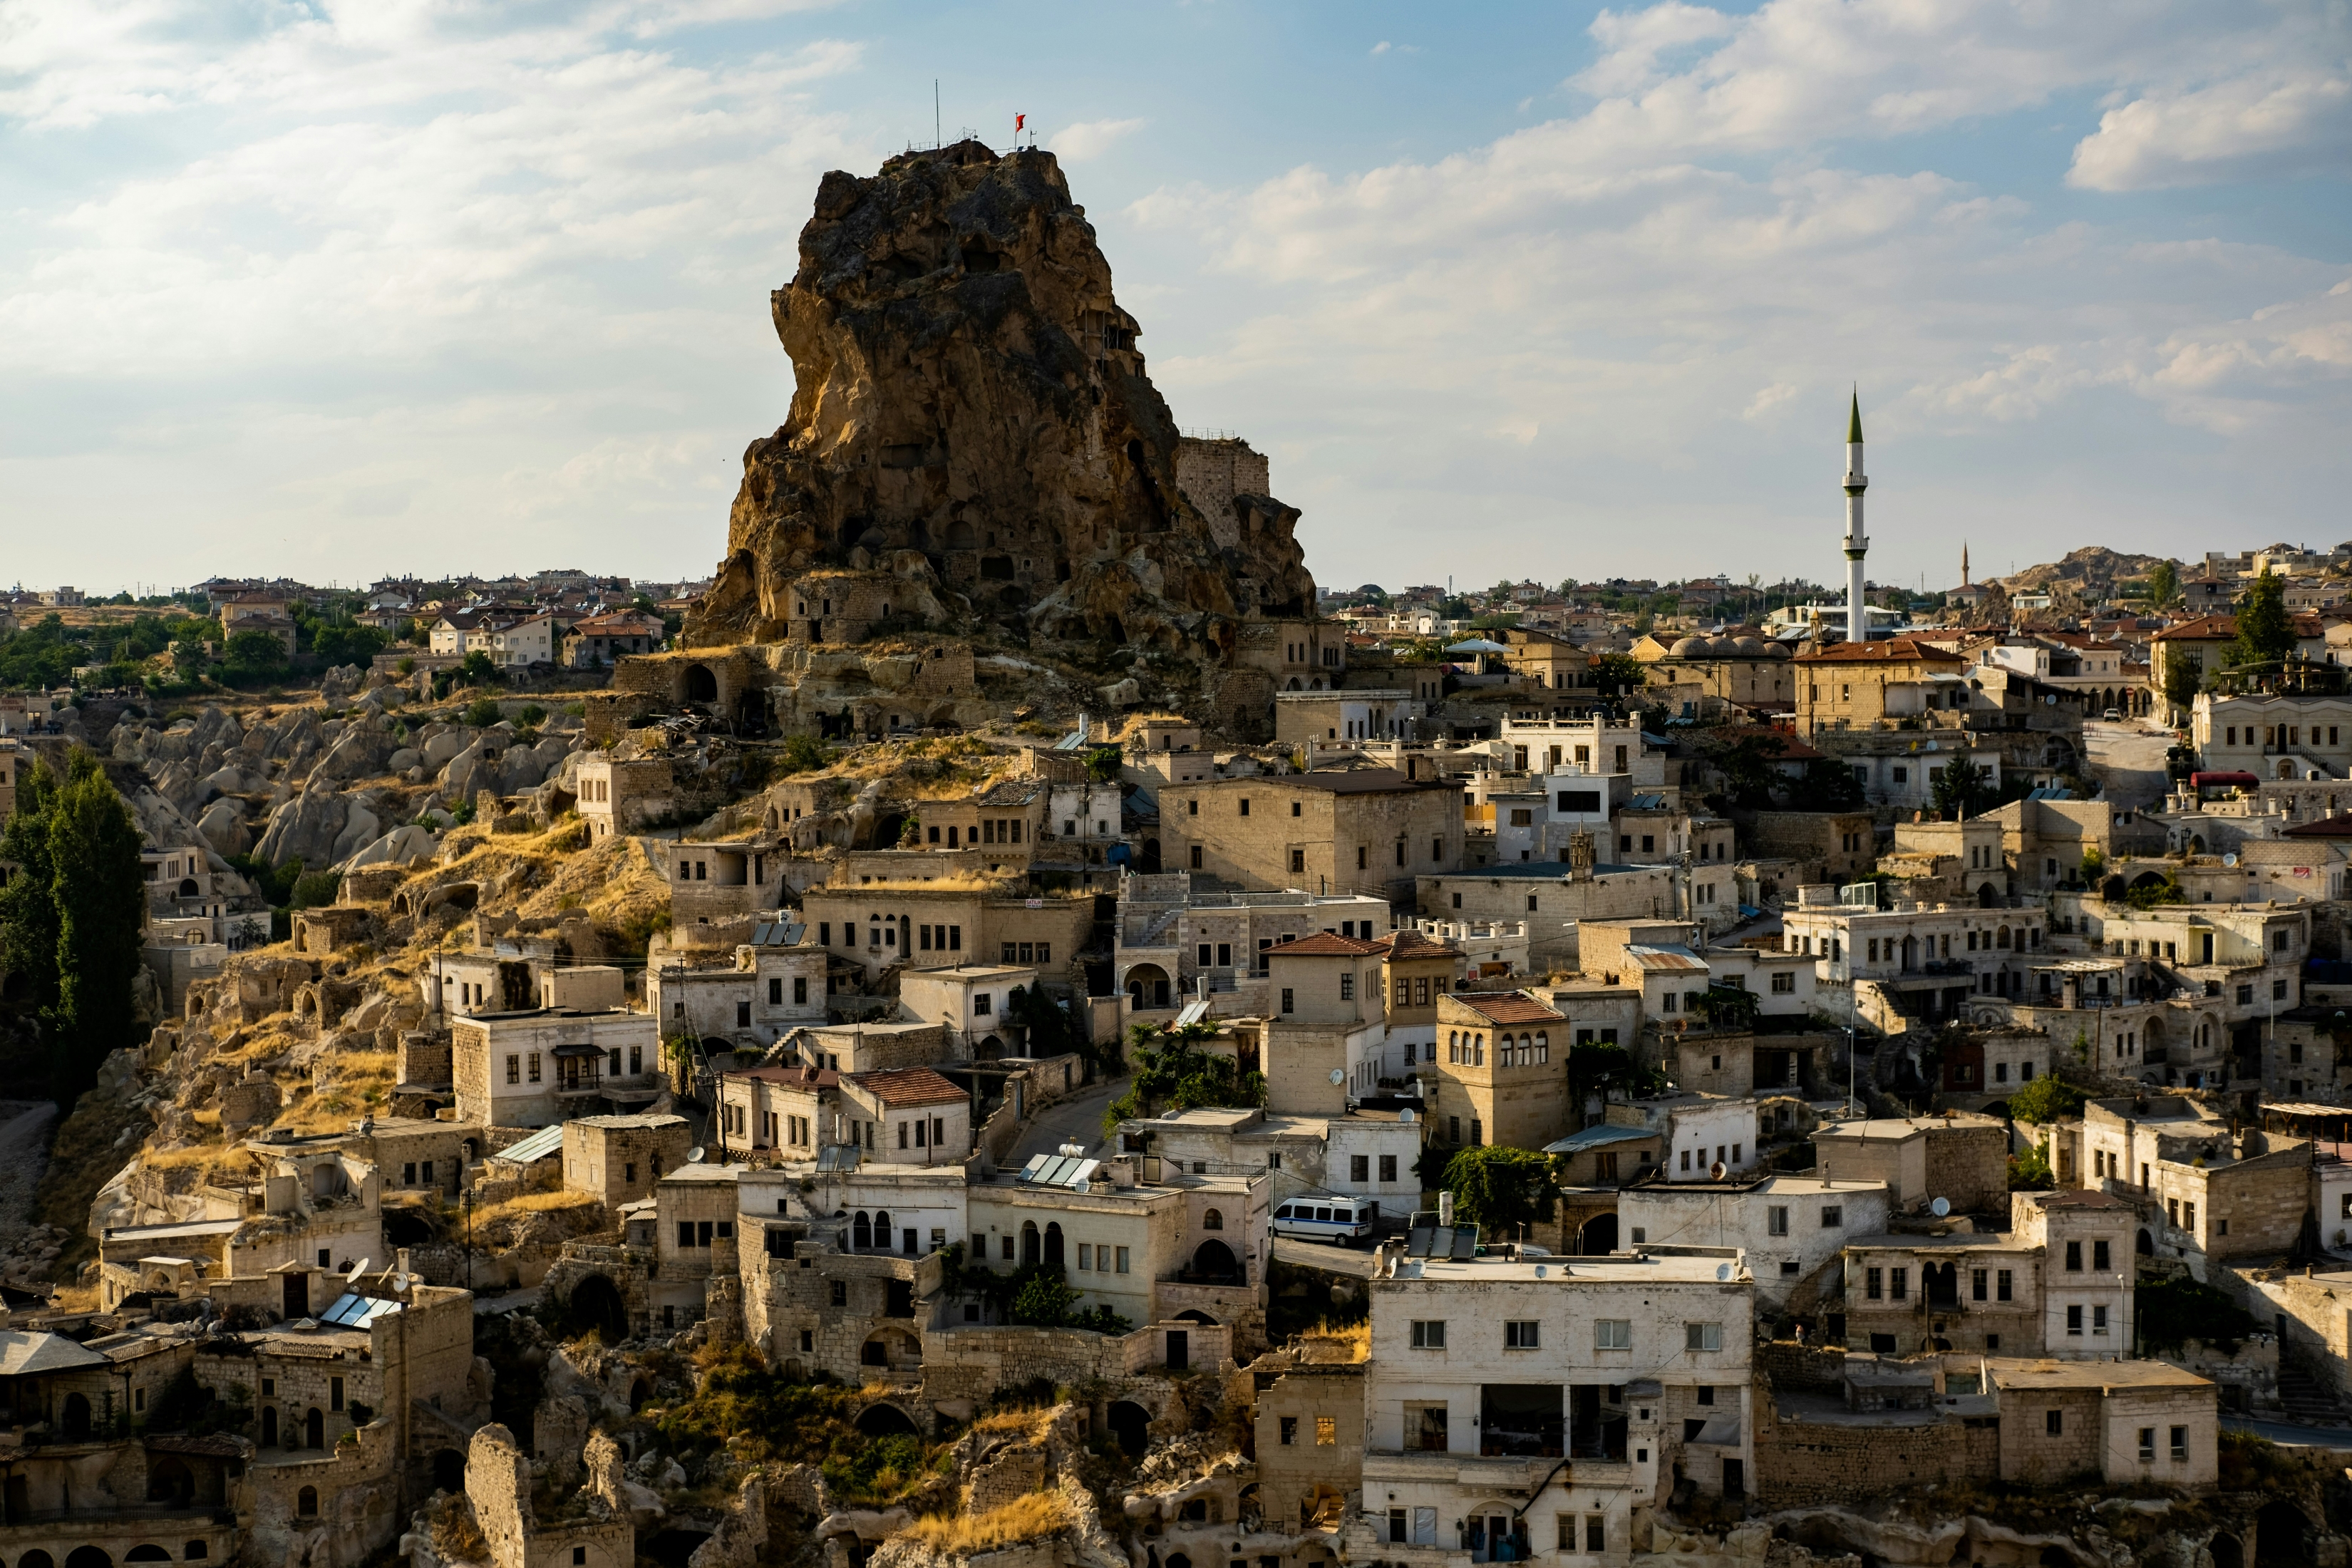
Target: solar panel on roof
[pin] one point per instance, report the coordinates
(1420, 1240)
(1036, 1161)
(1466, 1243)
(355, 1312)
(1192, 1014)
(838, 1157)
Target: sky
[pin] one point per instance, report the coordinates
(336, 289)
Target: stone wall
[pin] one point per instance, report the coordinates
(1968, 1162)
(1835, 1460)
(2030, 1454)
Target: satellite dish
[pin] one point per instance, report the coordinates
(1723, 1271)
(1714, 1172)
(357, 1269)
(2230, 859)
(1405, 1116)
(1940, 1207)
(694, 1156)
(400, 1282)
(1338, 1075)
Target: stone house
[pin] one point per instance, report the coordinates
(969, 1002)
(870, 1046)
(883, 927)
(1008, 817)
(623, 796)
(1183, 1246)
(1369, 830)
(1357, 713)
(696, 1209)
(1363, 1153)
(2058, 1283)
(1554, 897)
(2128, 1422)
(2205, 1190)
(1498, 1079)
(1177, 936)
(758, 994)
(1325, 995)
(596, 641)
(538, 1067)
(619, 1158)
(911, 1116)
(1958, 1156)
(1861, 686)
(1791, 1230)
(714, 882)
(1309, 1425)
(1635, 1372)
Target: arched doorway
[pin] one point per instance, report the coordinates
(1195, 1315)
(88, 1557)
(1599, 1237)
(1147, 986)
(596, 1304)
(861, 1233)
(1151, 857)
(2227, 1552)
(702, 686)
(306, 1502)
(1213, 1260)
(1130, 1424)
(449, 1471)
(1986, 897)
(2281, 1537)
(1053, 1244)
(75, 1417)
(880, 1420)
(169, 1481)
(2145, 1245)
(1032, 1252)
(36, 1558)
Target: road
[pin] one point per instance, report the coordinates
(1078, 1119)
(2130, 759)
(2288, 1434)
(1316, 1255)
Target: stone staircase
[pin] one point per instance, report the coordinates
(2308, 1402)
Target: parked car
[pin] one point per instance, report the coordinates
(2113, 715)
(1341, 1221)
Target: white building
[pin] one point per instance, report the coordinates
(1791, 1228)
(1486, 1375)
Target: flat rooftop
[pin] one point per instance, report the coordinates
(2027, 1375)
(1614, 1269)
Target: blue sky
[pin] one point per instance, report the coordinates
(341, 289)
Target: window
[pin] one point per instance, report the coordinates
(1288, 1426)
(2054, 1423)
(1612, 1334)
(1521, 1334)
(2098, 1320)
(1833, 1216)
(1776, 1220)
(1898, 1284)
(1702, 1336)
(1245, 806)
(1978, 1280)
(1784, 984)
(334, 1392)
(1122, 1260)
(1346, 988)
(2003, 1286)
(534, 1067)
(841, 1293)
(1297, 861)
(2179, 1444)
(1873, 1283)
(1286, 1001)
(2148, 1444)
(2075, 1322)
(1429, 1333)
(1388, 1167)
(514, 1069)
(1326, 1431)
(1360, 1167)
(2074, 1257)
(1596, 1532)
(2099, 1255)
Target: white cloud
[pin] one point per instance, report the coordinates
(1624, 281)
(1089, 138)
(2266, 125)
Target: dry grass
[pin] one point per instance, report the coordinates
(1029, 1424)
(1023, 1519)
(532, 1203)
(1327, 1339)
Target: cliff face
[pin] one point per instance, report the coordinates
(971, 412)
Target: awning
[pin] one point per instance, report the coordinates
(578, 1050)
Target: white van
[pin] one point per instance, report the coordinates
(1341, 1221)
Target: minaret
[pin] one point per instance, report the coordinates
(1857, 543)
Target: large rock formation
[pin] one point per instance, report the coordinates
(973, 425)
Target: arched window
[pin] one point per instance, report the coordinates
(882, 1229)
(861, 1232)
(1543, 1046)
(1213, 1220)
(2001, 940)
(306, 1502)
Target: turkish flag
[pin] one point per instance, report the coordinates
(1018, 121)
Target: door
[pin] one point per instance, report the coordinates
(1180, 1349)
(297, 1295)
(1735, 1479)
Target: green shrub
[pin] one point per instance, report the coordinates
(481, 713)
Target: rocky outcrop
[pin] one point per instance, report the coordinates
(972, 418)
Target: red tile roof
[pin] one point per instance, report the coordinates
(2203, 628)
(1508, 1007)
(908, 1086)
(1889, 650)
(1324, 945)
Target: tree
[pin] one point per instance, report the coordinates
(1614, 674)
(1499, 1189)
(255, 656)
(2047, 1099)
(2266, 634)
(1960, 787)
(1827, 784)
(70, 919)
(1747, 768)
(478, 670)
(340, 645)
(1103, 764)
(1172, 1073)
(1597, 1069)
(2163, 585)
(2184, 675)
